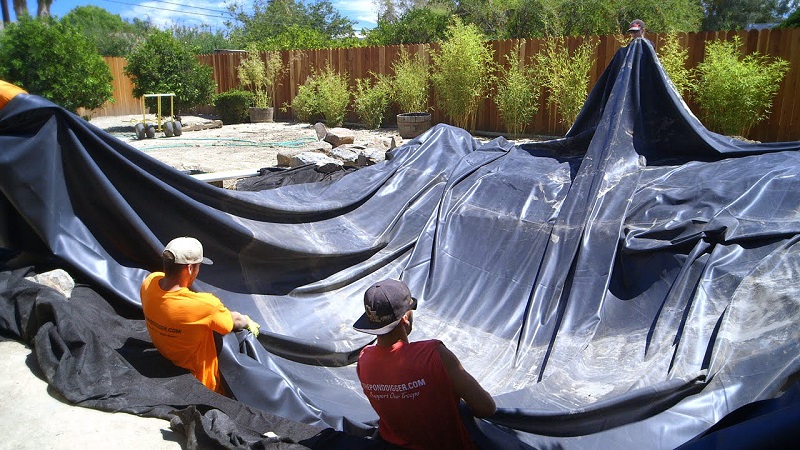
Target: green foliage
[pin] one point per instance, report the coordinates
(673, 58)
(462, 73)
(517, 97)
(565, 76)
(161, 64)
(411, 82)
(232, 106)
(737, 14)
(416, 21)
(735, 92)
(108, 32)
(304, 104)
(372, 99)
(261, 76)
(289, 24)
(417, 26)
(325, 93)
(53, 60)
(535, 18)
(200, 39)
(792, 21)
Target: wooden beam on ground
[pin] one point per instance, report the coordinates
(226, 175)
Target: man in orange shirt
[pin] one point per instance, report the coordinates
(182, 322)
(415, 387)
(8, 91)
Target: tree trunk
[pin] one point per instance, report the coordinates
(20, 8)
(43, 8)
(6, 13)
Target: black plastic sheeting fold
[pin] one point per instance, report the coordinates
(629, 285)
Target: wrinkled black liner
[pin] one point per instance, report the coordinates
(626, 286)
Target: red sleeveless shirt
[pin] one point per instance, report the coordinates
(408, 387)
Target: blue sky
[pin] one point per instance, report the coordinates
(208, 12)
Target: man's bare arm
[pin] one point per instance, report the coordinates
(465, 385)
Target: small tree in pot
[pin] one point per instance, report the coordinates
(260, 77)
(411, 84)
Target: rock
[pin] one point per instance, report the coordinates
(284, 157)
(318, 159)
(57, 279)
(370, 156)
(321, 130)
(347, 153)
(384, 143)
(334, 136)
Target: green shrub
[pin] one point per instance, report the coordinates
(232, 106)
(673, 58)
(304, 103)
(161, 64)
(411, 82)
(325, 93)
(463, 71)
(517, 97)
(734, 92)
(565, 75)
(372, 99)
(261, 76)
(51, 59)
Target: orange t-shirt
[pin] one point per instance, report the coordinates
(8, 91)
(180, 324)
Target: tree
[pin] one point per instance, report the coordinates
(108, 32)
(201, 39)
(417, 26)
(53, 60)
(274, 23)
(161, 64)
(737, 14)
(793, 21)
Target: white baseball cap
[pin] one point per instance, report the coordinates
(186, 250)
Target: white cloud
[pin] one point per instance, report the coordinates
(165, 15)
(362, 11)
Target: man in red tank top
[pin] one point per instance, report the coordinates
(415, 387)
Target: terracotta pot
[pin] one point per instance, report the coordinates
(411, 125)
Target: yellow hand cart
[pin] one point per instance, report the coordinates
(171, 127)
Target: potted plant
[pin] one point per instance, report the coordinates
(411, 84)
(260, 76)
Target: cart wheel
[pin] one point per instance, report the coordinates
(139, 129)
(168, 130)
(151, 131)
(177, 128)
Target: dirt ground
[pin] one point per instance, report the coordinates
(231, 147)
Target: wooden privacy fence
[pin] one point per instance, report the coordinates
(782, 125)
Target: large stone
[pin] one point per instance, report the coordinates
(347, 153)
(284, 157)
(322, 161)
(370, 156)
(334, 136)
(57, 279)
(384, 143)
